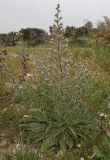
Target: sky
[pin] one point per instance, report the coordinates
(17, 14)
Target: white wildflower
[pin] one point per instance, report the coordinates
(103, 115)
(79, 145)
(29, 75)
(26, 116)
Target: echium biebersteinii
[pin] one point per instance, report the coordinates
(56, 65)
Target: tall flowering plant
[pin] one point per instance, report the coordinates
(55, 67)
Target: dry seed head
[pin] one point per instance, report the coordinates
(25, 68)
(3, 55)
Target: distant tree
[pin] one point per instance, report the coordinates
(33, 36)
(70, 32)
(25, 34)
(79, 34)
(12, 38)
(85, 30)
(73, 32)
(9, 39)
(89, 25)
(3, 39)
(103, 30)
(81, 31)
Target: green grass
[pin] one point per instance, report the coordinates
(21, 155)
